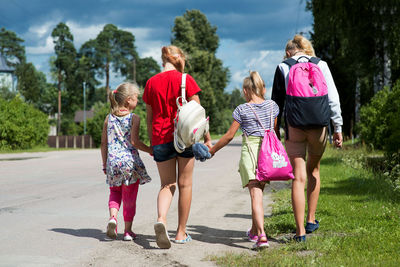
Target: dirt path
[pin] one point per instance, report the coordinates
(53, 211)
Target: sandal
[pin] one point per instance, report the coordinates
(251, 237)
(261, 244)
(162, 238)
(183, 241)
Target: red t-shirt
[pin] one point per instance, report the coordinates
(160, 93)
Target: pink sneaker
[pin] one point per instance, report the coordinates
(252, 238)
(112, 228)
(261, 244)
(129, 236)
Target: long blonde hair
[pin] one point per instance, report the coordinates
(254, 84)
(118, 96)
(299, 42)
(173, 55)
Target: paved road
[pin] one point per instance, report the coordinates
(53, 211)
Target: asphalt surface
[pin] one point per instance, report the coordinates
(53, 212)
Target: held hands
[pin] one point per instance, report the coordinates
(201, 151)
(337, 140)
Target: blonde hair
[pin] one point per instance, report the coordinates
(254, 84)
(299, 42)
(118, 96)
(173, 55)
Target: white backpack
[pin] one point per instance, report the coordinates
(190, 123)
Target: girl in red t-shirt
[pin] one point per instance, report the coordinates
(160, 96)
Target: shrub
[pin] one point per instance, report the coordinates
(22, 126)
(379, 120)
(95, 124)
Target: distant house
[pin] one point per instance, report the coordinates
(6, 74)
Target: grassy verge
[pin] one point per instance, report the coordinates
(35, 149)
(359, 215)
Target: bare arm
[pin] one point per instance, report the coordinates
(135, 140)
(103, 146)
(226, 138)
(149, 121)
(207, 136)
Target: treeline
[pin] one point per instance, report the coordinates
(113, 51)
(360, 41)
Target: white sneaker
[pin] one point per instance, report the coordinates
(112, 228)
(129, 236)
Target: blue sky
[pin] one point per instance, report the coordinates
(252, 33)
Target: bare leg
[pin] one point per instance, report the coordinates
(298, 198)
(313, 186)
(257, 210)
(185, 180)
(113, 212)
(167, 172)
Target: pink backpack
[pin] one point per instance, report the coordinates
(273, 163)
(306, 103)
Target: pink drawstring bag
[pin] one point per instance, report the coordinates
(273, 162)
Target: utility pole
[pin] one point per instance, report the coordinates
(84, 108)
(134, 69)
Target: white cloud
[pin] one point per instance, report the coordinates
(47, 48)
(241, 57)
(83, 34)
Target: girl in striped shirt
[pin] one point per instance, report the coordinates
(244, 117)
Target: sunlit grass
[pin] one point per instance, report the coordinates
(359, 215)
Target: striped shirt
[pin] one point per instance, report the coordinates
(249, 124)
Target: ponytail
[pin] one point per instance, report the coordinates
(254, 84)
(173, 55)
(118, 96)
(300, 43)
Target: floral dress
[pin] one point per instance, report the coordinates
(124, 166)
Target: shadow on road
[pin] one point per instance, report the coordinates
(92, 233)
(218, 236)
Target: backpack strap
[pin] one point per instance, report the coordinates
(290, 62)
(314, 60)
(259, 121)
(183, 87)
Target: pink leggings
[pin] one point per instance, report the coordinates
(127, 194)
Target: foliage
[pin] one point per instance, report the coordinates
(11, 48)
(359, 41)
(95, 124)
(358, 212)
(17, 129)
(64, 66)
(379, 125)
(196, 36)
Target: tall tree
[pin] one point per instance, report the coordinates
(64, 62)
(112, 50)
(359, 40)
(195, 35)
(11, 47)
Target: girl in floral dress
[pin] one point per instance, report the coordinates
(121, 162)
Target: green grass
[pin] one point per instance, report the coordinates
(34, 149)
(359, 217)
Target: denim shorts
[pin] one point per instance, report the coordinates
(167, 151)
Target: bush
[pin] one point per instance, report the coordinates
(22, 126)
(379, 120)
(95, 124)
